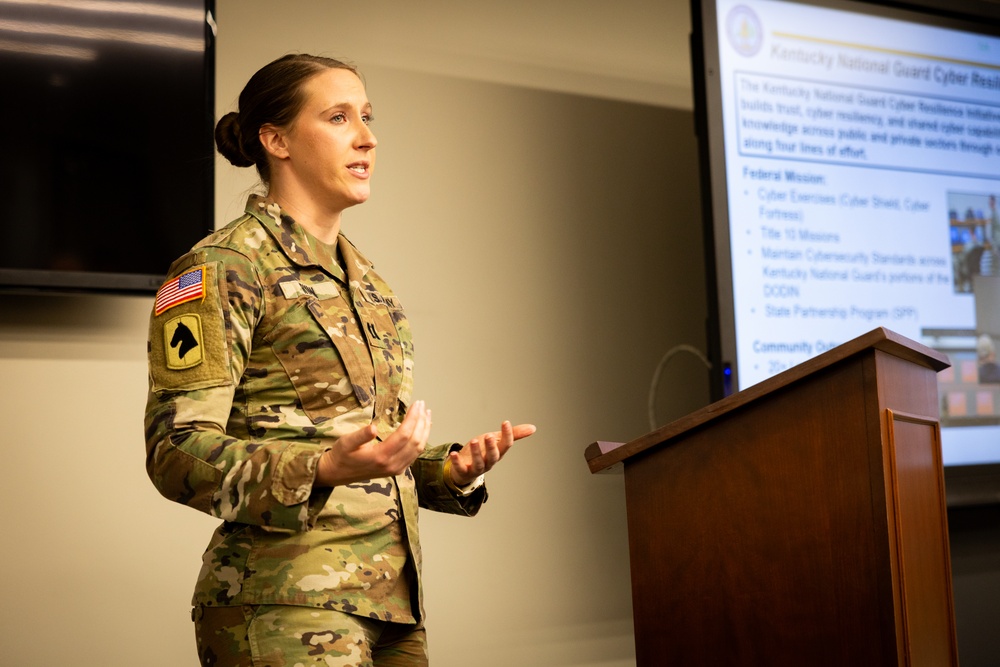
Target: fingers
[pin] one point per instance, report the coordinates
(422, 432)
(514, 432)
(469, 462)
(475, 464)
(522, 430)
(413, 424)
(359, 455)
(506, 435)
(492, 452)
(357, 439)
(409, 440)
(496, 443)
(479, 455)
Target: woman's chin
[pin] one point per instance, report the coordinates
(348, 200)
(359, 196)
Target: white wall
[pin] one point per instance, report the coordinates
(547, 247)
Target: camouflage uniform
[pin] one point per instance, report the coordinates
(254, 372)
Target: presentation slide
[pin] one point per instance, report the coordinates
(863, 169)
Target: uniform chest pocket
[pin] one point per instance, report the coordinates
(325, 356)
(388, 333)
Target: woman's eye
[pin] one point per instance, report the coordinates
(367, 118)
(338, 118)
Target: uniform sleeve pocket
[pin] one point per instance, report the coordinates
(188, 346)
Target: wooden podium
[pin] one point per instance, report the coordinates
(799, 522)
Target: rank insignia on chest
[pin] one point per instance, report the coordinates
(182, 338)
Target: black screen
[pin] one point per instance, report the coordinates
(107, 113)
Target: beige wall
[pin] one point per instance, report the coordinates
(548, 249)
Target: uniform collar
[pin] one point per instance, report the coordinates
(302, 248)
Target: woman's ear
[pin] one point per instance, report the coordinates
(272, 138)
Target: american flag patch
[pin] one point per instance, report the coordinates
(184, 288)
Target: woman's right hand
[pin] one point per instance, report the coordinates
(358, 456)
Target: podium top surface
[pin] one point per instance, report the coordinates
(602, 455)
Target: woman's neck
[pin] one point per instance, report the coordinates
(322, 224)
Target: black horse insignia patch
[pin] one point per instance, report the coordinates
(183, 341)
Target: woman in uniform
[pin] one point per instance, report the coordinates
(281, 399)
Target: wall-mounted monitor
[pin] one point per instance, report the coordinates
(107, 113)
(851, 173)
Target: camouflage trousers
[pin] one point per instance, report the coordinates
(289, 636)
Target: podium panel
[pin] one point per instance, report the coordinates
(799, 522)
(925, 572)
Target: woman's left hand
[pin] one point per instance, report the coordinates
(480, 454)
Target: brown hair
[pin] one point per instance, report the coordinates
(272, 95)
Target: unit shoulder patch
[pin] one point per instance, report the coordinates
(188, 344)
(184, 342)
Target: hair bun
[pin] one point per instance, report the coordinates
(229, 140)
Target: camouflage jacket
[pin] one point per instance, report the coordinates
(262, 351)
